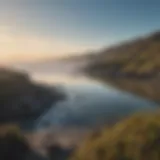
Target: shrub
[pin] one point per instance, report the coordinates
(12, 143)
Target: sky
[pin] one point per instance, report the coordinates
(32, 30)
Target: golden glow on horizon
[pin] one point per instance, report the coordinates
(16, 46)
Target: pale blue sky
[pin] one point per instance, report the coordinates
(61, 27)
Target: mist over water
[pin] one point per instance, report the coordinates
(89, 103)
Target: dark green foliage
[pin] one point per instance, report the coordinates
(12, 144)
(58, 153)
(136, 138)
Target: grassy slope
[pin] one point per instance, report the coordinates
(133, 66)
(136, 138)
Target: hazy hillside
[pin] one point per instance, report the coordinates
(133, 66)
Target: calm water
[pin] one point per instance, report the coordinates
(88, 103)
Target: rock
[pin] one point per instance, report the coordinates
(21, 99)
(13, 146)
(58, 153)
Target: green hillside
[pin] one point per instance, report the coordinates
(136, 138)
(133, 66)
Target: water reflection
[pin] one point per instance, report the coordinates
(89, 103)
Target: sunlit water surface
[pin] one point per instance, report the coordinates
(89, 103)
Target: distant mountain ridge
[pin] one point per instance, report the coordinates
(133, 66)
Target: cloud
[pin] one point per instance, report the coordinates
(18, 46)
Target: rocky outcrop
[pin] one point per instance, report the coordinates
(58, 153)
(21, 98)
(12, 144)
